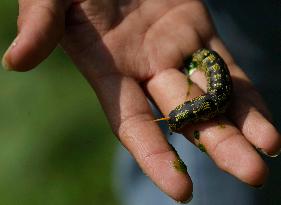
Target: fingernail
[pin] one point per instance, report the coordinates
(269, 155)
(5, 63)
(259, 186)
(187, 201)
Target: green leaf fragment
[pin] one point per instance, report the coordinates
(180, 166)
(202, 148)
(196, 134)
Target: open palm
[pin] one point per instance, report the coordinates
(133, 49)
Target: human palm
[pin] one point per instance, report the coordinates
(129, 50)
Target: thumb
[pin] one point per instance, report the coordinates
(40, 27)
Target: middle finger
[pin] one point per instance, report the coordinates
(220, 138)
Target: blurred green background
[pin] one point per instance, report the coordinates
(55, 144)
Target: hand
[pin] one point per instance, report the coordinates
(130, 49)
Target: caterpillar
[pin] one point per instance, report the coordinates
(210, 104)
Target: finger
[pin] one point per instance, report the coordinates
(226, 146)
(248, 110)
(131, 119)
(40, 27)
(241, 80)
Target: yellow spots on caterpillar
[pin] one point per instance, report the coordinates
(215, 101)
(217, 77)
(216, 67)
(211, 58)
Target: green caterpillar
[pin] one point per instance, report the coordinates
(215, 101)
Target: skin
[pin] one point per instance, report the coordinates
(130, 49)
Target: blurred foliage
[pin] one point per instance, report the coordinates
(55, 144)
